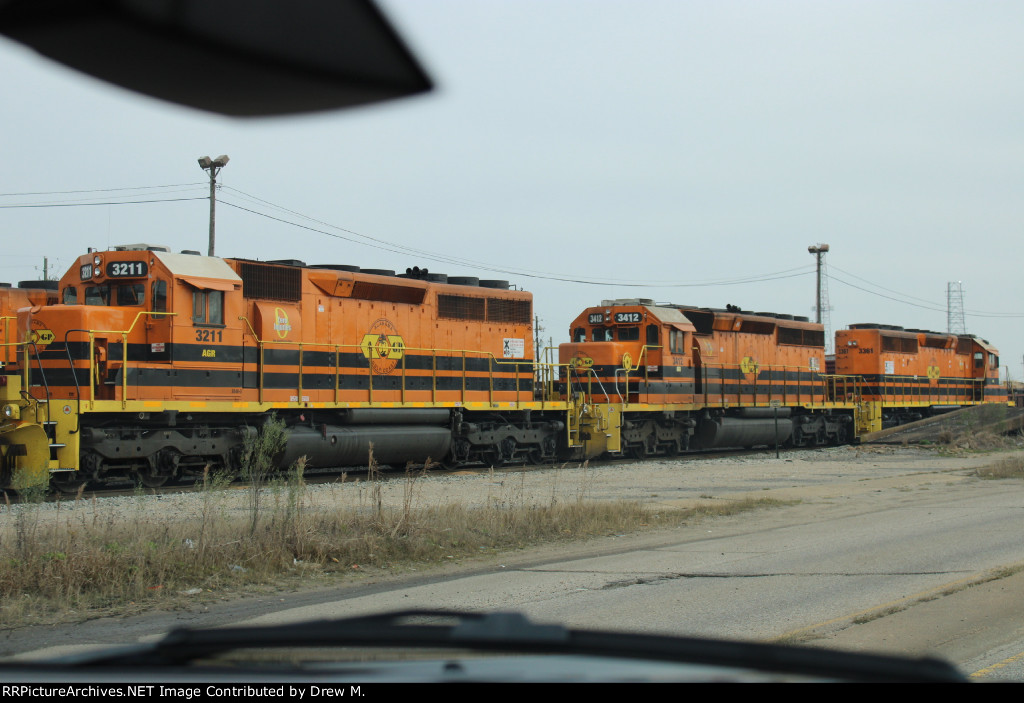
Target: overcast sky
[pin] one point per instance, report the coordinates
(675, 145)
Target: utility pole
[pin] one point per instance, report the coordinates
(537, 329)
(539, 371)
(213, 166)
(821, 294)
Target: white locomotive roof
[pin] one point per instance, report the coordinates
(669, 315)
(142, 246)
(189, 265)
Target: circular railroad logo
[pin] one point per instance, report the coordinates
(281, 324)
(383, 346)
(581, 362)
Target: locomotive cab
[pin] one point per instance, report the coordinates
(985, 371)
(912, 373)
(630, 351)
(128, 313)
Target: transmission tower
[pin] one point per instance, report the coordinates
(821, 306)
(955, 323)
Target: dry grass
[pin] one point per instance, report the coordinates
(868, 617)
(983, 441)
(959, 443)
(84, 561)
(1007, 467)
(977, 430)
(735, 507)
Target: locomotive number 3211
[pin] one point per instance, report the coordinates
(127, 269)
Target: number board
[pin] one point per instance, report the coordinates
(627, 317)
(127, 269)
(85, 272)
(596, 318)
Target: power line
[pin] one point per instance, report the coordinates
(89, 201)
(934, 307)
(121, 202)
(96, 190)
(397, 249)
(366, 240)
(903, 298)
(876, 285)
(470, 263)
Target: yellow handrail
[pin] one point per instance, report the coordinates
(465, 354)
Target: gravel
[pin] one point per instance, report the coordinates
(679, 481)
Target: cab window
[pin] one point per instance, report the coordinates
(629, 334)
(215, 300)
(159, 298)
(676, 342)
(652, 335)
(131, 294)
(208, 307)
(579, 335)
(97, 295)
(70, 296)
(603, 334)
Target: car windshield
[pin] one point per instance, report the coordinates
(557, 338)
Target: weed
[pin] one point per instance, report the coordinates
(736, 507)
(868, 617)
(1007, 467)
(259, 452)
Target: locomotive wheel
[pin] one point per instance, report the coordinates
(68, 486)
(535, 457)
(450, 462)
(797, 438)
(508, 448)
(153, 480)
(842, 435)
(820, 438)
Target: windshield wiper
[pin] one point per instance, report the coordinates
(513, 632)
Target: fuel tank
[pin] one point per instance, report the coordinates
(349, 445)
(740, 432)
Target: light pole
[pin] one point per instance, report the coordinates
(213, 166)
(819, 253)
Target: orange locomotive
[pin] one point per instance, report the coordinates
(160, 364)
(156, 365)
(27, 294)
(912, 373)
(675, 377)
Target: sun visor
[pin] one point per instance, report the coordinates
(208, 283)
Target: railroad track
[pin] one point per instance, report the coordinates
(350, 474)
